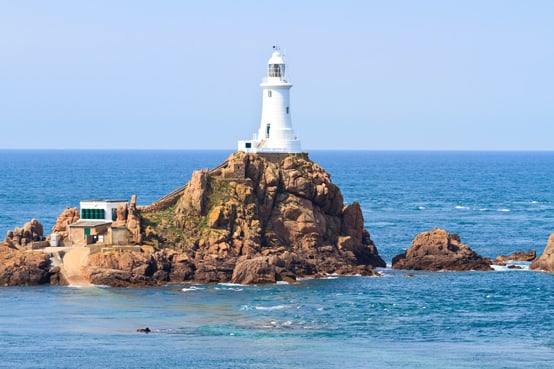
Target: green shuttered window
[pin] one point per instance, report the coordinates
(92, 213)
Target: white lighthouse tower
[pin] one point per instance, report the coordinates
(275, 133)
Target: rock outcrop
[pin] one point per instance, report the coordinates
(439, 250)
(546, 260)
(20, 268)
(263, 218)
(20, 265)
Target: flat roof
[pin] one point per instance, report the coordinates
(100, 200)
(89, 223)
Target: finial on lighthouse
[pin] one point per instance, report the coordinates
(275, 133)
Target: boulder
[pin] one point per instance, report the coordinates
(254, 271)
(21, 238)
(439, 250)
(546, 260)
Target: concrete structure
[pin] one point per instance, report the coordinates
(95, 225)
(275, 134)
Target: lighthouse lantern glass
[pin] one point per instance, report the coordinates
(276, 70)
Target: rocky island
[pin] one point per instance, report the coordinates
(439, 250)
(253, 219)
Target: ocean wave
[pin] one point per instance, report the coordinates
(503, 210)
(460, 207)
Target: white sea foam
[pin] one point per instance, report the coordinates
(504, 210)
(237, 289)
(231, 284)
(192, 288)
(460, 207)
(270, 308)
(262, 308)
(281, 282)
(520, 266)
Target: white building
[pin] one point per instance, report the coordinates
(275, 133)
(100, 209)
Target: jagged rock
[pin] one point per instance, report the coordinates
(439, 250)
(516, 256)
(61, 228)
(546, 260)
(134, 220)
(121, 215)
(21, 238)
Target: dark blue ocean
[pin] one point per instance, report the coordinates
(499, 202)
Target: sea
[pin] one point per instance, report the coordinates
(498, 202)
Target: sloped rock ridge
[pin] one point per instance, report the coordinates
(439, 250)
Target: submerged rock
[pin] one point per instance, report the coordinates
(439, 250)
(546, 260)
(515, 256)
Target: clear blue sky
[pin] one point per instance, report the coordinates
(424, 75)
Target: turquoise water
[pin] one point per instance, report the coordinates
(497, 202)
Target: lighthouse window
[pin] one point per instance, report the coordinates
(267, 130)
(269, 93)
(287, 109)
(248, 145)
(275, 70)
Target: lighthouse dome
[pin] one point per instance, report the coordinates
(276, 58)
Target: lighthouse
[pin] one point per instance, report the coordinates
(275, 134)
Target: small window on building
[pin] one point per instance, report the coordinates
(114, 214)
(269, 93)
(248, 145)
(287, 109)
(267, 128)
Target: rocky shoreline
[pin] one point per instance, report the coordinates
(253, 219)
